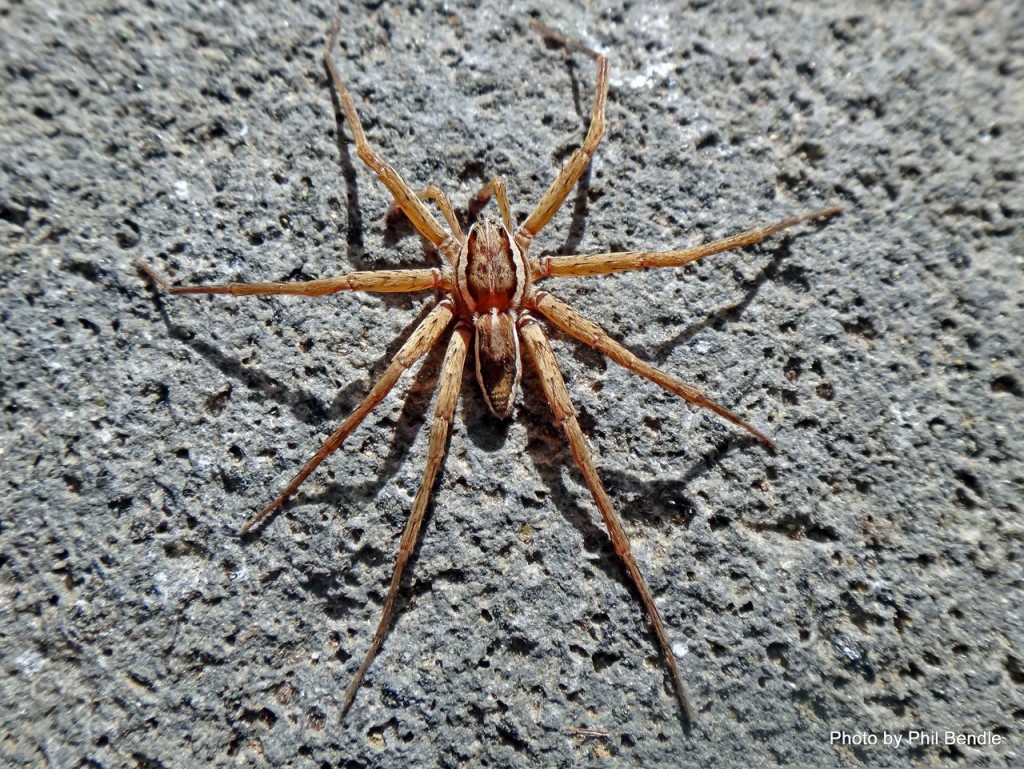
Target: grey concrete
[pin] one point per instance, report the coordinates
(865, 578)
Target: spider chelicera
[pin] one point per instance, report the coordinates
(490, 297)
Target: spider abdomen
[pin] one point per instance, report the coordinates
(497, 361)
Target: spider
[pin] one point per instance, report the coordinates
(490, 300)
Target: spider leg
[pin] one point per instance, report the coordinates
(575, 324)
(603, 264)
(435, 193)
(565, 416)
(571, 171)
(421, 340)
(380, 281)
(448, 391)
(496, 188)
(407, 200)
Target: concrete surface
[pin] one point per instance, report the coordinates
(864, 579)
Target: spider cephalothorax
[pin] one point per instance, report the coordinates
(488, 280)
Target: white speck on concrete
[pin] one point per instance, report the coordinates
(30, 662)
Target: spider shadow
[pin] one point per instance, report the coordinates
(411, 420)
(355, 246)
(329, 584)
(310, 409)
(578, 217)
(662, 504)
(580, 202)
(399, 227)
(303, 404)
(666, 502)
(731, 313)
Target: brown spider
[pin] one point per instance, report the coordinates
(488, 281)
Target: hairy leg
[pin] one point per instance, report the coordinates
(588, 332)
(381, 281)
(436, 194)
(571, 171)
(603, 264)
(407, 200)
(448, 392)
(565, 416)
